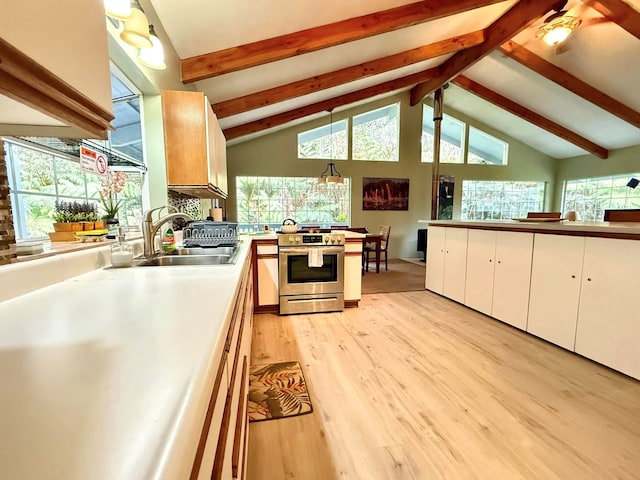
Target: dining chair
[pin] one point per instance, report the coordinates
(384, 232)
(622, 215)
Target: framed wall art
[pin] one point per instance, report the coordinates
(385, 193)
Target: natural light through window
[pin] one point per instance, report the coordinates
(451, 141)
(376, 134)
(328, 141)
(494, 200)
(485, 149)
(590, 197)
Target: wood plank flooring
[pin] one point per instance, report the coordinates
(413, 386)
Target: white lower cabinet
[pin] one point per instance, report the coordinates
(353, 270)
(555, 288)
(267, 268)
(608, 317)
(498, 274)
(447, 262)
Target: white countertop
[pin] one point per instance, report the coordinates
(106, 375)
(632, 228)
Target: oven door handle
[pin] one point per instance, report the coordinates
(305, 250)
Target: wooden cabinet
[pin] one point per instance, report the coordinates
(195, 148)
(222, 450)
(54, 69)
(498, 274)
(447, 261)
(608, 328)
(555, 288)
(265, 264)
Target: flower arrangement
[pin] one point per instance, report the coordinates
(111, 186)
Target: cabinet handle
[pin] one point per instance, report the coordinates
(499, 261)
(573, 276)
(490, 260)
(588, 279)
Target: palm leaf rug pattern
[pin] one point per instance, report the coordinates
(277, 390)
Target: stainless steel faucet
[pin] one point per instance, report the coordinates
(150, 229)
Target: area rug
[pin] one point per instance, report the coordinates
(402, 276)
(277, 390)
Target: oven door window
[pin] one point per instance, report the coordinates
(298, 270)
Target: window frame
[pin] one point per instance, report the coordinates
(463, 136)
(396, 140)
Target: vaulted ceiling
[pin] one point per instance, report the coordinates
(268, 64)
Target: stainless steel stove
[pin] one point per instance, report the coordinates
(311, 272)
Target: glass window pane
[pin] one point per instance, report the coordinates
(36, 211)
(485, 149)
(451, 138)
(494, 200)
(33, 170)
(376, 134)
(270, 200)
(70, 178)
(590, 197)
(328, 141)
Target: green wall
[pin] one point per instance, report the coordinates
(275, 154)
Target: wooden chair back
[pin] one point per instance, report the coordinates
(622, 215)
(384, 232)
(544, 214)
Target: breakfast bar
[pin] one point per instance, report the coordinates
(572, 284)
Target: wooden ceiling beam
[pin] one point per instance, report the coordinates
(618, 12)
(346, 75)
(285, 46)
(565, 79)
(530, 116)
(513, 21)
(325, 105)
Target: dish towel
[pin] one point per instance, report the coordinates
(315, 257)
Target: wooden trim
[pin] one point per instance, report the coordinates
(245, 450)
(508, 25)
(26, 81)
(345, 75)
(530, 116)
(573, 84)
(353, 254)
(619, 12)
(267, 255)
(266, 309)
(263, 241)
(351, 303)
(240, 57)
(240, 420)
(197, 462)
(354, 240)
(291, 115)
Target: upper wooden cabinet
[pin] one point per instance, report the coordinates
(54, 69)
(195, 147)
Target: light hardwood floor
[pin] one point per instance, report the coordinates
(413, 386)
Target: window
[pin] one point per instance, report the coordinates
(590, 197)
(38, 178)
(451, 138)
(376, 134)
(492, 200)
(270, 200)
(485, 149)
(328, 141)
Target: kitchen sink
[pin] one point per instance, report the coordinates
(193, 256)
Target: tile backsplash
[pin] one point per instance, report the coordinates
(185, 204)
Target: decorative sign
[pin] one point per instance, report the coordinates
(93, 161)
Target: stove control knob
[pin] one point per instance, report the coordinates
(297, 239)
(326, 239)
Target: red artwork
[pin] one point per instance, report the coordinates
(385, 194)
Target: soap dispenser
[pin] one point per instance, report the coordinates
(121, 252)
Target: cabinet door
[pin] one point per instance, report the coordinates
(268, 281)
(455, 263)
(608, 319)
(481, 251)
(512, 278)
(435, 259)
(353, 270)
(555, 288)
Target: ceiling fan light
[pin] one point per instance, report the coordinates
(136, 30)
(557, 35)
(119, 9)
(153, 57)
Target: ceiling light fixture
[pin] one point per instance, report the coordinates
(331, 173)
(558, 26)
(118, 9)
(153, 57)
(136, 30)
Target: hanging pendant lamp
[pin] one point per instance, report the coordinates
(119, 9)
(331, 173)
(136, 30)
(153, 57)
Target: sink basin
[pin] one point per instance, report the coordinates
(194, 256)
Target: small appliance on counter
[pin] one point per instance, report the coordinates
(205, 233)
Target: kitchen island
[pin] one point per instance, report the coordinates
(111, 374)
(572, 284)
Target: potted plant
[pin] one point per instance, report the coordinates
(89, 217)
(66, 216)
(113, 185)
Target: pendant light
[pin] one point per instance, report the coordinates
(118, 9)
(331, 173)
(136, 30)
(153, 57)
